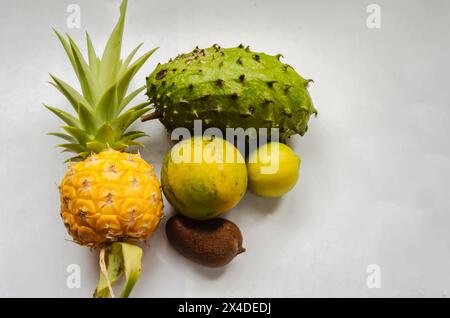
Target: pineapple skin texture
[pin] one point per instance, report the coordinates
(111, 196)
(231, 88)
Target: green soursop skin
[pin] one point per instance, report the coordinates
(230, 88)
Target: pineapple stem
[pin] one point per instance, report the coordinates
(105, 271)
(122, 258)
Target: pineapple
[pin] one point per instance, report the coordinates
(109, 198)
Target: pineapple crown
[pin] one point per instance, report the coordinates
(101, 122)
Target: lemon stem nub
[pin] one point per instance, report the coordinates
(114, 261)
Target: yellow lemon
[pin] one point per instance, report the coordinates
(204, 177)
(273, 170)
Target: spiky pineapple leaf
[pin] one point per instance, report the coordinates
(106, 107)
(63, 136)
(129, 117)
(132, 135)
(124, 81)
(96, 146)
(140, 106)
(140, 61)
(87, 118)
(68, 50)
(128, 59)
(135, 143)
(121, 123)
(102, 98)
(74, 159)
(111, 56)
(120, 146)
(135, 115)
(69, 92)
(106, 134)
(89, 85)
(66, 117)
(129, 98)
(94, 62)
(79, 134)
(75, 148)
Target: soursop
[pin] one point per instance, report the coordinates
(230, 88)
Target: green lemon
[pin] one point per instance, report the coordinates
(273, 170)
(204, 177)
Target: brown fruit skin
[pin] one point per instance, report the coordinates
(211, 243)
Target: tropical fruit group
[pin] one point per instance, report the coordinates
(230, 88)
(203, 177)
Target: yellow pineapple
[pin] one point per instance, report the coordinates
(109, 198)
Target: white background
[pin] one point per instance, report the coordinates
(375, 172)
